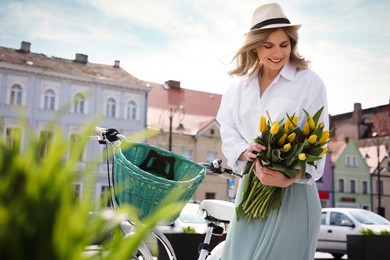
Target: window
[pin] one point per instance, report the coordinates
(186, 153)
(105, 200)
(365, 187)
(49, 100)
(323, 218)
(75, 143)
(210, 195)
(339, 219)
(341, 185)
(16, 95)
(77, 192)
(110, 107)
(351, 161)
(131, 110)
(79, 103)
(211, 156)
(13, 136)
(352, 186)
(44, 142)
(324, 203)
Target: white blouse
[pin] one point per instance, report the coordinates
(242, 106)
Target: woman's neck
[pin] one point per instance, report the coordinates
(266, 76)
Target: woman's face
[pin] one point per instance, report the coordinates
(275, 52)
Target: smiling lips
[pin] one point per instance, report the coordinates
(275, 60)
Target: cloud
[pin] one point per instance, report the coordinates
(193, 40)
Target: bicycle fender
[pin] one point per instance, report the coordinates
(216, 253)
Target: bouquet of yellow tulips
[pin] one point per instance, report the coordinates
(288, 148)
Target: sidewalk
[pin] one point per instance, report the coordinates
(320, 255)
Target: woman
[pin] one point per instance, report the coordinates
(273, 78)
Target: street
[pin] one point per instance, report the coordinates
(320, 255)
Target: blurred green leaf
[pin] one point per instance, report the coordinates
(39, 215)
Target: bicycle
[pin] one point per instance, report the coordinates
(217, 213)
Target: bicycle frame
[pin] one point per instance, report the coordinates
(217, 213)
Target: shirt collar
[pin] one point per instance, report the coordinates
(288, 71)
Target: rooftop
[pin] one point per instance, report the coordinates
(194, 109)
(79, 66)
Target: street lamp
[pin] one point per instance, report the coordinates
(381, 211)
(180, 111)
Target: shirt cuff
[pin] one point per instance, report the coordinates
(308, 180)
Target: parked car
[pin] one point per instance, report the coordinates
(189, 220)
(337, 223)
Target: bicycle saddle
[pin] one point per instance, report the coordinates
(218, 209)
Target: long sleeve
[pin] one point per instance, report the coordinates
(233, 142)
(316, 98)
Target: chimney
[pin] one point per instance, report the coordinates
(25, 47)
(173, 84)
(117, 64)
(357, 113)
(81, 58)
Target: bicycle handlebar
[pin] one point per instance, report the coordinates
(109, 134)
(215, 167)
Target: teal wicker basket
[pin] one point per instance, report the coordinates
(143, 175)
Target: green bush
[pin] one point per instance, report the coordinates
(189, 229)
(367, 231)
(384, 232)
(39, 217)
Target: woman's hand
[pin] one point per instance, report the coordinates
(250, 153)
(270, 177)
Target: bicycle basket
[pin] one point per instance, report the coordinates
(144, 174)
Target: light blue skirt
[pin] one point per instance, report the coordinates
(289, 233)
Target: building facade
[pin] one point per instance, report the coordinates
(48, 91)
(325, 184)
(194, 131)
(370, 128)
(351, 176)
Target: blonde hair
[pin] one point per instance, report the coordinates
(246, 59)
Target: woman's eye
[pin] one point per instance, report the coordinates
(267, 46)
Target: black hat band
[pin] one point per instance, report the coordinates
(269, 22)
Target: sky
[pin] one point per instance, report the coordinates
(193, 41)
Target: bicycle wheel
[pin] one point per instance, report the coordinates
(142, 255)
(163, 241)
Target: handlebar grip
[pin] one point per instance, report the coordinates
(99, 131)
(111, 134)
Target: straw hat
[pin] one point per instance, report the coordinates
(270, 16)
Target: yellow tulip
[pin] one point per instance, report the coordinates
(302, 156)
(295, 120)
(287, 147)
(306, 129)
(282, 139)
(312, 139)
(324, 151)
(324, 137)
(287, 125)
(311, 123)
(291, 137)
(263, 124)
(321, 124)
(275, 128)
